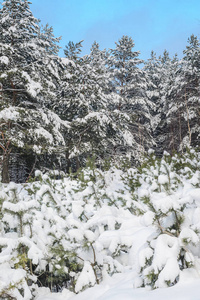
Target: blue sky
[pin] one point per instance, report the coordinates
(153, 24)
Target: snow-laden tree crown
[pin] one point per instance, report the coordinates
(56, 112)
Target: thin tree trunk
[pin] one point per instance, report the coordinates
(180, 131)
(5, 168)
(172, 139)
(5, 178)
(188, 123)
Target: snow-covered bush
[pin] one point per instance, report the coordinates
(84, 255)
(72, 231)
(165, 195)
(17, 244)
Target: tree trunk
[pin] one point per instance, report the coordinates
(188, 122)
(5, 168)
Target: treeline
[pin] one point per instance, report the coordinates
(56, 112)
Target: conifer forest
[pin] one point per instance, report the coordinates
(99, 161)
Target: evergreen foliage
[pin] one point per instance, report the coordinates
(61, 111)
(133, 107)
(74, 231)
(101, 200)
(29, 75)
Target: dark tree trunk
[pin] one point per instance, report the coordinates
(5, 168)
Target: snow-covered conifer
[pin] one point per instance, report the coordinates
(130, 87)
(29, 75)
(188, 92)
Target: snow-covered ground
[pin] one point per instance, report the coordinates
(120, 287)
(115, 234)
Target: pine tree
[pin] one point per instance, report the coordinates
(85, 104)
(68, 97)
(165, 65)
(162, 79)
(130, 86)
(29, 76)
(51, 42)
(173, 110)
(182, 99)
(152, 68)
(189, 91)
(166, 252)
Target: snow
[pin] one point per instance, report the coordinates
(9, 113)
(120, 286)
(15, 277)
(162, 179)
(116, 229)
(4, 60)
(87, 276)
(166, 253)
(33, 87)
(195, 194)
(41, 132)
(189, 235)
